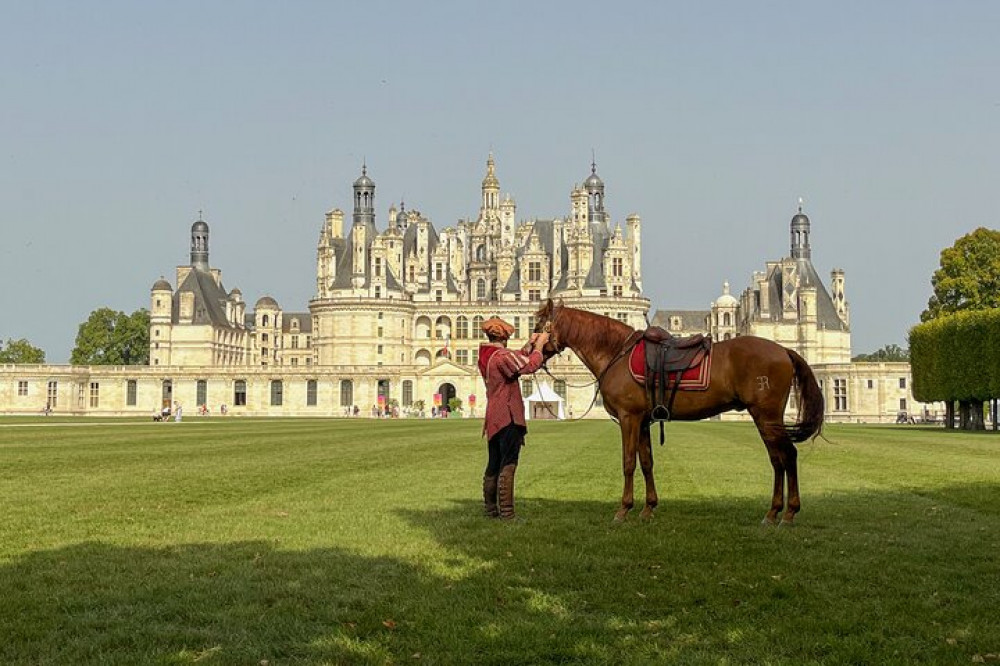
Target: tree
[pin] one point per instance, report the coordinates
(20, 351)
(969, 276)
(886, 354)
(109, 337)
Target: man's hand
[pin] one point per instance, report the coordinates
(538, 340)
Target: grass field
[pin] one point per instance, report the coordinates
(356, 542)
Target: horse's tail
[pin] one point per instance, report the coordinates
(810, 419)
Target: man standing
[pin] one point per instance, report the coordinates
(504, 424)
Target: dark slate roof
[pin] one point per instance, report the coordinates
(305, 322)
(209, 299)
(826, 311)
(161, 285)
(691, 320)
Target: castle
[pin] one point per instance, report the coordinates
(395, 319)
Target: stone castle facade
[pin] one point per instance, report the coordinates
(396, 314)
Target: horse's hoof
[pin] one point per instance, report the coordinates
(620, 517)
(768, 522)
(646, 514)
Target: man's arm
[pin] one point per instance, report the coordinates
(514, 364)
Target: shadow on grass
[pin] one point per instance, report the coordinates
(868, 578)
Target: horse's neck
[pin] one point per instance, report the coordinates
(595, 353)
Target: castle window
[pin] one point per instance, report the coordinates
(438, 271)
(517, 328)
(240, 392)
(380, 331)
(616, 291)
(295, 342)
(22, 388)
(277, 393)
(462, 327)
(726, 319)
(534, 271)
(534, 295)
(462, 356)
(437, 295)
(378, 292)
(902, 404)
(560, 388)
(477, 327)
(95, 394)
(840, 395)
(481, 289)
(346, 393)
(871, 384)
(527, 387)
(294, 361)
(378, 266)
(53, 394)
(310, 392)
(616, 267)
(902, 382)
(295, 324)
(201, 392)
(131, 393)
(407, 392)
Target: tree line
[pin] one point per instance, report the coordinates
(108, 337)
(955, 352)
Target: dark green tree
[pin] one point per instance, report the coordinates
(110, 337)
(20, 351)
(885, 354)
(969, 276)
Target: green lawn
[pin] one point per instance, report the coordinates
(354, 541)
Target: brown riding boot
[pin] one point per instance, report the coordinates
(506, 491)
(490, 496)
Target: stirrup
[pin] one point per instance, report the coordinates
(660, 413)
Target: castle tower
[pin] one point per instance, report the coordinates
(800, 235)
(199, 245)
(363, 231)
(594, 187)
(491, 192)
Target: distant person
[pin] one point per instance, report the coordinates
(178, 412)
(504, 424)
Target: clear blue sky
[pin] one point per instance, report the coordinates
(119, 121)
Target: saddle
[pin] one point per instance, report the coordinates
(667, 358)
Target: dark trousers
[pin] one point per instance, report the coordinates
(505, 448)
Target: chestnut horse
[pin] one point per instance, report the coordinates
(747, 373)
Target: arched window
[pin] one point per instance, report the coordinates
(346, 393)
(726, 319)
(407, 392)
(560, 388)
(477, 327)
(462, 327)
(264, 320)
(481, 253)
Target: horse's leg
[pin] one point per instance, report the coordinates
(646, 461)
(791, 455)
(629, 436)
(772, 433)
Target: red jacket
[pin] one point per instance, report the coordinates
(500, 368)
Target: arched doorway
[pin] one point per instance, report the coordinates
(447, 392)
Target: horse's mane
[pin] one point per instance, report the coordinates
(589, 329)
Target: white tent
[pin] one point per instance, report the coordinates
(544, 403)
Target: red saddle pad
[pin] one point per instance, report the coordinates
(695, 378)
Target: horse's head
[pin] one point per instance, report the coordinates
(546, 321)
